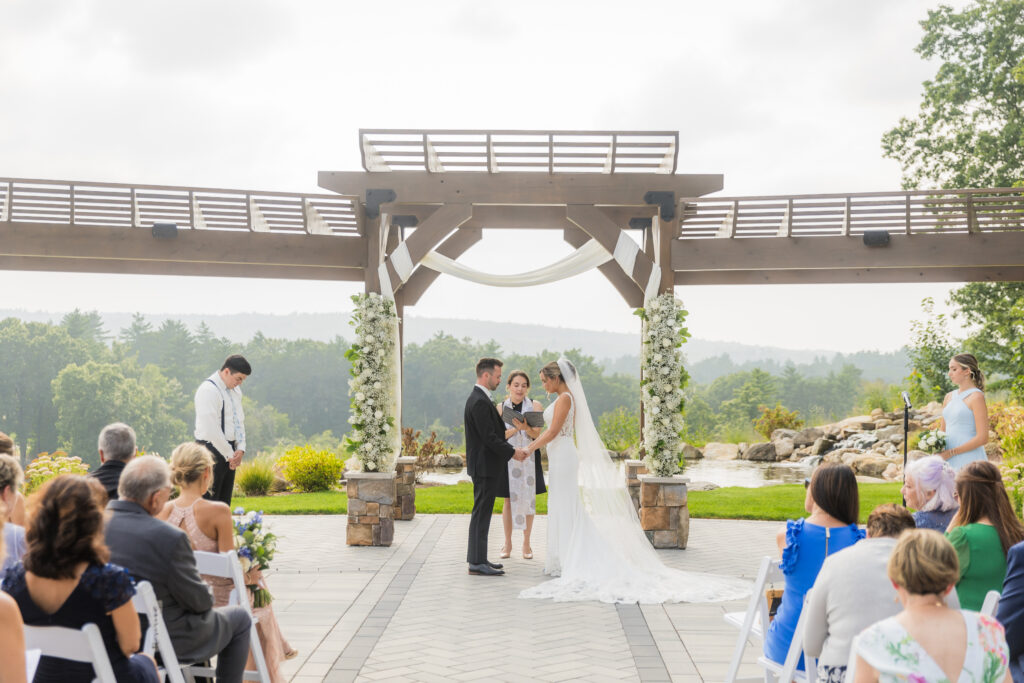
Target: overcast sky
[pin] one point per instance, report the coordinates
(780, 97)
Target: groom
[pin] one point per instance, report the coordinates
(486, 452)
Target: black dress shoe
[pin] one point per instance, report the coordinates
(485, 570)
(494, 565)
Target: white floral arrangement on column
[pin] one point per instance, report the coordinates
(374, 439)
(662, 383)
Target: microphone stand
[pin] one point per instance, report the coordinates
(906, 429)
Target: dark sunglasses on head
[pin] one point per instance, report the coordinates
(807, 483)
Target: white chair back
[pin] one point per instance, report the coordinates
(787, 671)
(851, 663)
(227, 566)
(157, 638)
(32, 663)
(754, 620)
(991, 604)
(85, 645)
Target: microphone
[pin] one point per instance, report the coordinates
(906, 399)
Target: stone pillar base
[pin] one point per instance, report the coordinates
(405, 487)
(664, 515)
(634, 468)
(371, 507)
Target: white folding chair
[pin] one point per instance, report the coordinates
(157, 638)
(991, 604)
(851, 663)
(753, 621)
(85, 645)
(226, 565)
(786, 672)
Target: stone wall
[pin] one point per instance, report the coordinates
(664, 515)
(634, 468)
(405, 487)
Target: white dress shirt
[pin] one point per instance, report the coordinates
(210, 398)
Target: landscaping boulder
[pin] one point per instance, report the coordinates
(721, 451)
(877, 412)
(449, 460)
(821, 445)
(914, 455)
(761, 452)
(783, 448)
(892, 433)
(894, 472)
(807, 437)
(783, 434)
(691, 453)
(871, 465)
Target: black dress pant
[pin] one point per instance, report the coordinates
(223, 477)
(480, 519)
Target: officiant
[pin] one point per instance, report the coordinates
(520, 483)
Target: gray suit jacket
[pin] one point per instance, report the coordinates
(153, 550)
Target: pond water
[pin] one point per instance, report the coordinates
(720, 472)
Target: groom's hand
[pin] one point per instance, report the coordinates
(520, 454)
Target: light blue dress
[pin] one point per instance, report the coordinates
(960, 428)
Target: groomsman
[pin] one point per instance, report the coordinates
(220, 423)
(486, 451)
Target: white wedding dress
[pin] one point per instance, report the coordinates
(595, 545)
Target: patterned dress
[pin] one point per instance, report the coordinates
(891, 650)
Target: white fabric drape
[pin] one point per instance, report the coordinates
(587, 257)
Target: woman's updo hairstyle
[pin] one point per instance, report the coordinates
(924, 562)
(188, 462)
(65, 527)
(552, 371)
(6, 444)
(971, 363)
(10, 473)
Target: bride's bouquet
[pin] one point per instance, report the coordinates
(933, 441)
(255, 548)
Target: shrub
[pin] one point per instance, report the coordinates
(423, 452)
(45, 467)
(1013, 480)
(1007, 421)
(619, 429)
(256, 477)
(308, 469)
(776, 418)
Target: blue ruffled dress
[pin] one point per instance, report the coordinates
(801, 561)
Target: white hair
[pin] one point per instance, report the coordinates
(142, 477)
(932, 473)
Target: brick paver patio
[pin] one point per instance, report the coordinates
(412, 613)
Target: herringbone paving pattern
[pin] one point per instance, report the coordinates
(411, 612)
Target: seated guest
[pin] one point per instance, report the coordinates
(15, 512)
(11, 478)
(210, 528)
(853, 591)
(928, 640)
(929, 485)
(834, 504)
(116, 446)
(157, 552)
(65, 580)
(12, 635)
(1011, 609)
(983, 530)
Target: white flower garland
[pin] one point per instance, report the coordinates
(375, 438)
(661, 385)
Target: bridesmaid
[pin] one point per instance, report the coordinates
(964, 413)
(523, 480)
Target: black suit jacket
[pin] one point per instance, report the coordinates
(486, 448)
(109, 475)
(1011, 608)
(153, 550)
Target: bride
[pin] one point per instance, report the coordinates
(595, 546)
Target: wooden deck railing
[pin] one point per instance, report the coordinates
(914, 212)
(113, 204)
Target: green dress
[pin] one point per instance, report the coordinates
(982, 563)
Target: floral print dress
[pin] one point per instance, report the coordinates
(890, 649)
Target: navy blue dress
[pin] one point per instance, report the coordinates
(99, 591)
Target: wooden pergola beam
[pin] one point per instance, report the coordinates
(221, 253)
(623, 284)
(522, 217)
(823, 276)
(453, 247)
(596, 224)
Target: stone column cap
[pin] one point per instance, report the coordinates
(674, 479)
(634, 462)
(369, 475)
(405, 459)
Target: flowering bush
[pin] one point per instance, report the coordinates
(776, 418)
(374, 439)
(45, 467)
(933, 441)
(662, 383)
(1013, 480)
(308, 469)
(255, 551)
(1007, 421)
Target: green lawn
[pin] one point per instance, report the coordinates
(770, 502)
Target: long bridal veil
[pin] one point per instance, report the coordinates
(609, 557)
